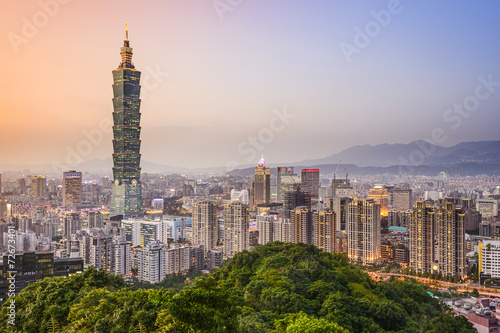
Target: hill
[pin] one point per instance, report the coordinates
(278, 287)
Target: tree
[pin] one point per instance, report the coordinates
(302, 323)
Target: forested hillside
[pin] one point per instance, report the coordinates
(279, 287)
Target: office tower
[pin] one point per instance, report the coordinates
(265, 225)
(126, 196)
(324, 230)
(399, 218)
(142, 232)
(341, 187)
(152, 263)
(280, 172)
(363, 231)
(38, 185)
(240, 196)
(295, 198)
(72, 224)
(288, 182)
(283, 231)
(399, 198)
(451, 241)
(261, 186)
(236, 233)
(72, 188)
(302, 220)
(380, 196)
(473, 219)
(96, 220)
(422, 231)
(204, 224)
(101, 250)
(340, 207)
(310, 181)
(123, 256)
(487, 207)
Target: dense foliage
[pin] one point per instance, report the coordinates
(279, 288)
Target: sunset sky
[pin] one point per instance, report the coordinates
(213, 78)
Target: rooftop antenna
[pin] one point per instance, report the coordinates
(126, 31)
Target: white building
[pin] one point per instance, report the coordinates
(240, 196)
(123, 256)
(487, 207)
(152, 262)
(283, 230)
(489, 258)
(265, 225)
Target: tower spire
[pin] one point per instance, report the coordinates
(126, 51)
(126, 31)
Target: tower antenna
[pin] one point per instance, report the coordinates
(126, 31)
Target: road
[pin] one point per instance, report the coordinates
(461, 287)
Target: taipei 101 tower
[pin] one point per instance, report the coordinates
(126, 197)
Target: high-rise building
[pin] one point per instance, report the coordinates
(398, 218)
(152, 263)
(265, 226)
(283, 231)
(399, 198)
(295, 198)
(363, 231)
(451, 241)
(280, 172)
(310, 181)
(340, 207)
(72, 224)
(324, 230)
(72, 188)
(101, 250)
(142, 232)
(204, 224)
(487, 207)
(38, 186)
(96, 220)
(261, 186)
(422, 232)
(489, 258)
(123, 256)
(126, 197)
(236, 229)
(302, 221)
(379, 195)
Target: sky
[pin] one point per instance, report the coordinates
(225, 81)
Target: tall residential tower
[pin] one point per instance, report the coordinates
(126, 197)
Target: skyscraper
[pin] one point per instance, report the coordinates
(310, 181)
(302, 221)
(295, 198)
(72, 188)
(451, 241)
(422, 249)
(236, 233)
(280, 172)
(363, 231)
(38, 185)
(204, 221)
(126, 197)
(324, 230)
(261, 186)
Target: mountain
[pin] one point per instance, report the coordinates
(414, 153)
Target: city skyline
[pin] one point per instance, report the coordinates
(216, 78)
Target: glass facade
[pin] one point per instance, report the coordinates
(126, 196)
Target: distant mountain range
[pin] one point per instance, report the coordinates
(414, 153)
(417, 157)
